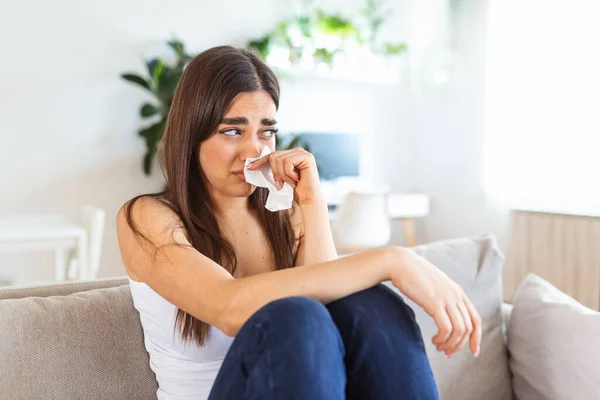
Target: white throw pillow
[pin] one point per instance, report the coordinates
(554, 344)
(476, 265)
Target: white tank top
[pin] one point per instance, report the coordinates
(183, 369)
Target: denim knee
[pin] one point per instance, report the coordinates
(365, 300)
(372, 307)
(296, 316)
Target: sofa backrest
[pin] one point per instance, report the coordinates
(59, 288)
(75, 340)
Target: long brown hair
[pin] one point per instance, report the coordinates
(206, 89)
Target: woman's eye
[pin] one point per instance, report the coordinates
(230, 132)
(270, 132)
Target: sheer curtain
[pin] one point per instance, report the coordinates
(542, 122)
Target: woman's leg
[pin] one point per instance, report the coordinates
(385, 354)
(289, 349)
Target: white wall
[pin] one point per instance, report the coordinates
(68, 122)
(449, 132)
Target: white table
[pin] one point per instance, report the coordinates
(46, 232)
(407, 207)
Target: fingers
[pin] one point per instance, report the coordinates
(283, 164)
(475, 340)
(442, 320)
(279, 172)
(283, 171)
(276, 173)
(458, 329)
(465, 325)
(260, 162)
(466, 318)
(290, 170)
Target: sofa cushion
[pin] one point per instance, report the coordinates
(475, 264)
(554, 343)
(86, 345)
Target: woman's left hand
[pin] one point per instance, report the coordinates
(298, 168)
(443, 299)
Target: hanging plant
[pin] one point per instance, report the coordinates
(323, 35)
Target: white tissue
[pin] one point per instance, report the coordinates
(263, 177)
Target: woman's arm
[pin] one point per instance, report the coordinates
(325, 282)
(316, 245)
(204, 289)
(298, 168)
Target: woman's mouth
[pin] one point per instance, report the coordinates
(240, 175)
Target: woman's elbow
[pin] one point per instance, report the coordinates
(230, 328)
(230, 322)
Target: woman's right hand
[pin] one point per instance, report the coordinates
(442, 298)
(298, 168)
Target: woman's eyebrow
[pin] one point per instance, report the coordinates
(244, 121)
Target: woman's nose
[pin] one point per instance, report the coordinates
(251, 148)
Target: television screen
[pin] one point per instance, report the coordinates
(336, 154)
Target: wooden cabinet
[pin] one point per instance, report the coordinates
(562, 249)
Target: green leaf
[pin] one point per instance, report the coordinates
(261, 46)
(305, 25)
(333, 24)
(323, 55)
(152, 134)
(147, 161)
(151, 65)
(136, 79)
(167, 85)
(394, 48)
(158, 71)
(178, 47)
(279, 35)
(280, 28)
(375, 17)
(148, 110)
(182, 57)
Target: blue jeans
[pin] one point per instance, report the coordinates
(364, 346)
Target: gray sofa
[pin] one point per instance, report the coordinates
(83, 340)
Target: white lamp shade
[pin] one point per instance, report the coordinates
(362, 221)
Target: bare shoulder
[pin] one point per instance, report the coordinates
(170, 266)
(148, 211)
(155, 221)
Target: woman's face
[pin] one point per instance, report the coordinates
(246, 128)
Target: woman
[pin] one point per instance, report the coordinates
(239, 302)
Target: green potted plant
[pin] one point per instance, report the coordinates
(305, 32)
(161, 80)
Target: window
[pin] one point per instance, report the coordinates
(542, 112)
